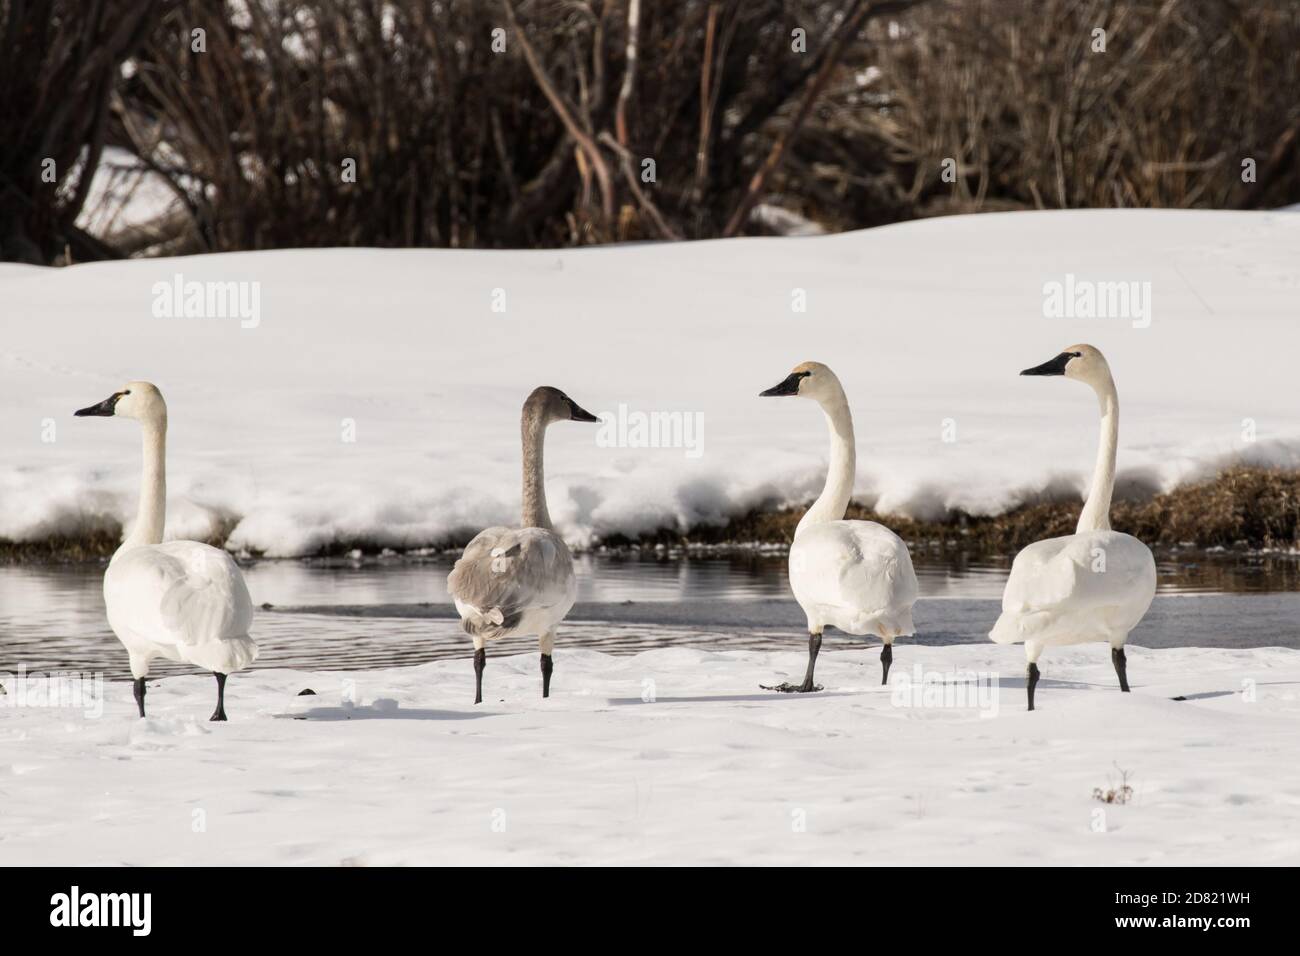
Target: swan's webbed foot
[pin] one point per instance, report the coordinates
(548, 665)
(480, 661)
(220, 712)
(1031, 682)
(886, 658)
(138, 693)
(1121, 667)
(807, 687)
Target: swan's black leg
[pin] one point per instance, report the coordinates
(548, 665)
(1032, 682)
(480, 661)
(814, 645)
(220, 712)
(138, 691)
(886, 658)
(1121, 666)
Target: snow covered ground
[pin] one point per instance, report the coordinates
(711, 770)
(927, 323)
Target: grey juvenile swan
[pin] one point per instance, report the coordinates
(520, 580)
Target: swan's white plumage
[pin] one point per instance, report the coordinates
(183, 601)
(1091, 586)
(855, 576)
(513, 581)
(1095, 584)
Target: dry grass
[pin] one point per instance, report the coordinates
(1242, 507)
(93, 546)
(1113, 794)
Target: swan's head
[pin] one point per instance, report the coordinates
(547, 405)
(808, 380)
(139, 400)
(1081, 362)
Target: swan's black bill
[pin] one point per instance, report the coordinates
(1055, 367)
(104, 408)
(579, 414)
(790, 386)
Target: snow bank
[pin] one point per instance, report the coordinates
(377, 397)
(672, 757)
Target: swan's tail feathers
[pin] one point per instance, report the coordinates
(225, 656)
(897, 624)
(489, 623)
(1007, 630)
(887, 624)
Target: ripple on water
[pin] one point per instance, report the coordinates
(374, 615)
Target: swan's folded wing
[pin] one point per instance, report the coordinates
(507, 571)
(853, 564)
(1044, 575)
(884, 575)
(182, 593)
(1103, 580)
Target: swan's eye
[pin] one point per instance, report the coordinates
(127, 392)
(1071, 354)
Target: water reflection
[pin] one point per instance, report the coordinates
(602, 578)
(53, 616)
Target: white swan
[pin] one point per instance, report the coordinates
(853, 575)
(520, 580)
(1095, 584)
(182, 600)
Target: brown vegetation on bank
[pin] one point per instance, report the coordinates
(1243, 507)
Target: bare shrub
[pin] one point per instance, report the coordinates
(59, 61)
(546, 142)
(456, 144)
(1034, 115)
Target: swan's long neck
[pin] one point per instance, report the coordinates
(834, 499)
(152, 516)
(1096, 511)
(534, 436)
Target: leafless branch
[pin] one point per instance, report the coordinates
(588, 146)
(629, 173)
